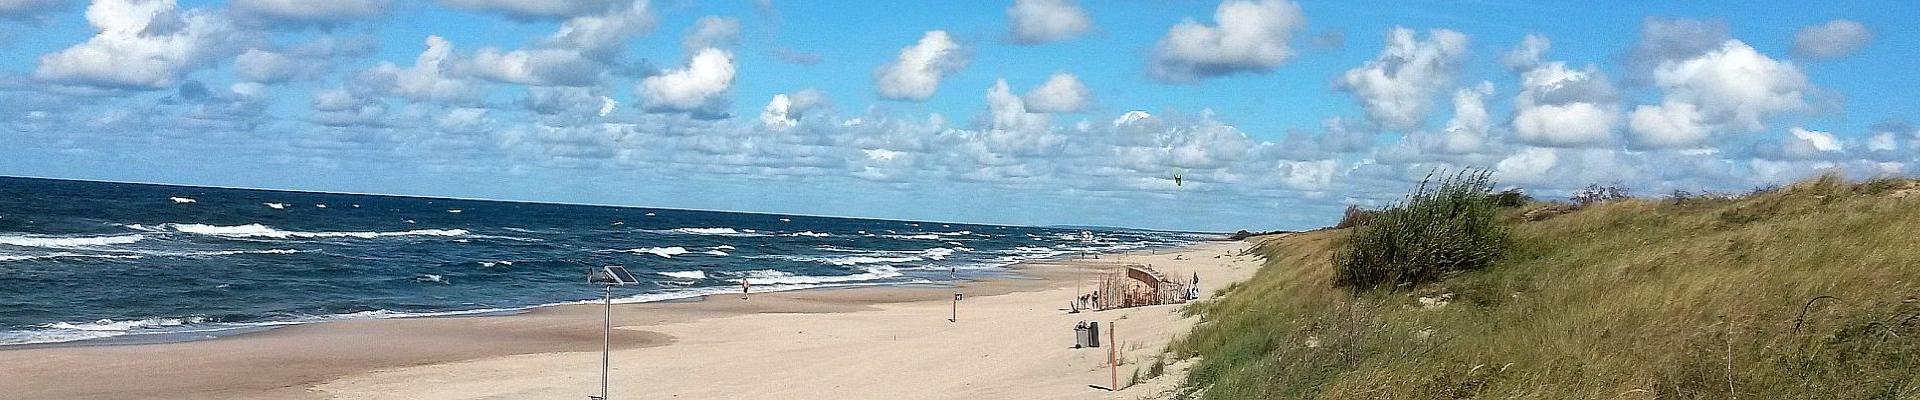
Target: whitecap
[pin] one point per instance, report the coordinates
(430, 278)
(258, 230)
(276, 206)
(183, 200)
(68, 241)
(663, 252)
(774, 277)
(809, 234)
(685, 274)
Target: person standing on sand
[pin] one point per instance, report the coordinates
(744, 288)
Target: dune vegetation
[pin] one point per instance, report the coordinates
(1801, 292)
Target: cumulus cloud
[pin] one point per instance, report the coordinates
(284, 13)
(1801, 144)
(786, 110)
(1006, 111)
(305, 61)
(1397, 87)
(1560, 106)
(26, 8)
(1834, 39)
(1046, 21)
(547, 9)
(916, 73)
(1251, 37)
(429, 79)
(1670, 39)
(1467, 131)
(1528, 54)
(711, 32)
(1733, 89)
(580, 53)
(144, 44)
(1062, 93)
(699, 88)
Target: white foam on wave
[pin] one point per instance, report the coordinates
(809, 234)
(775, 277)
(61, 242)
(276, 206)
(25, 257)
(183, 200)
(258, 230)
(715, 232)
(923, 236)
(663, 252)
(685, 274)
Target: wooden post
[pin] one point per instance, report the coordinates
(955, 315)
(1113, 356)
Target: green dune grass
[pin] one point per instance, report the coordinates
(1806, 292)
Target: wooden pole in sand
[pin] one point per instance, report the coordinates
(1113, 355)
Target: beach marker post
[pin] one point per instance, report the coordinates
(608, 276)
(955, 316)
(1113, 355)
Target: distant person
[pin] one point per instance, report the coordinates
(745, 287)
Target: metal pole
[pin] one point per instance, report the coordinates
(606, 343)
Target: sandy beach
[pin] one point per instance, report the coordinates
(1012, 340)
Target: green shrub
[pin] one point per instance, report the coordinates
(1441, 228)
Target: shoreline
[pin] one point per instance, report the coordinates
(331, 359)
(214, 332)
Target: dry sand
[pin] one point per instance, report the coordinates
(1012, 341)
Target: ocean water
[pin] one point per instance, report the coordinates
(91, 260)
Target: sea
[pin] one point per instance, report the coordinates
(96, 262)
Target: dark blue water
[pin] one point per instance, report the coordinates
(90, 260)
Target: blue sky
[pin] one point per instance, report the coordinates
(1276, 113)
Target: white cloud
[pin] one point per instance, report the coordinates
(1008, 112)
(537, 67)
(603, 35)
(785, 111)
(700, 88)
(429, 79)
(306, 61)
(544, 9)
(1047, 21)
(1803, 144)
(300, 12)
(1834, 39)
(1251, 38)
(145, 44)
(711, 32)
(1668, 39)
(1062, 93)
(1733, 89)
(1397, 87)
(1528, 54)
(1559, 106)
(22, 8)
(579, 53)
(1467, 131)
(917, 72)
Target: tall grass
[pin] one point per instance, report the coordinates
(1810, 291)
(1444, 227)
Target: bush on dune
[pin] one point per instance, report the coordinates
(1444, 227)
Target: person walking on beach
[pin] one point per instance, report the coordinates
(745, 288)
